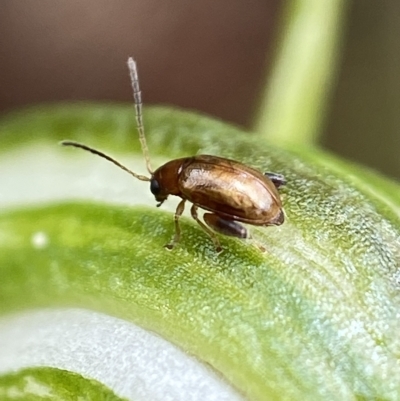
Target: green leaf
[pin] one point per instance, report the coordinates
(49, 384)
(315, 316)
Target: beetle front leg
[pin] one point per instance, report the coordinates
(226, 227)
(178, 214)
(217, 245)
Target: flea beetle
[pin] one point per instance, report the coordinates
(230, 191)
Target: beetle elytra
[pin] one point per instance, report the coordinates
(231, 192)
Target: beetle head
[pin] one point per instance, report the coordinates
(156, 190)
(165, 180)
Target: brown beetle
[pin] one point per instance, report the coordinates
(230, 190)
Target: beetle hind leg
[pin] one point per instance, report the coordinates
(178, 214)
(230, 227)
(225, 227)
(212, 235)
(277, 179)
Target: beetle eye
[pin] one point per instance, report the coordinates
(154, 187)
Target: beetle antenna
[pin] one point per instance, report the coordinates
(103, 155)
(137, 96)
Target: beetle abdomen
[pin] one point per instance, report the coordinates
(231, 189)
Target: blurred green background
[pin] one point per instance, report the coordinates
(208, 56)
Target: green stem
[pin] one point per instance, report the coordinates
(295, 99)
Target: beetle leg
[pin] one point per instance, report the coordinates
(229, 227)
(178, 214)
(224, 226)
(277, 179)
(214, 238)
